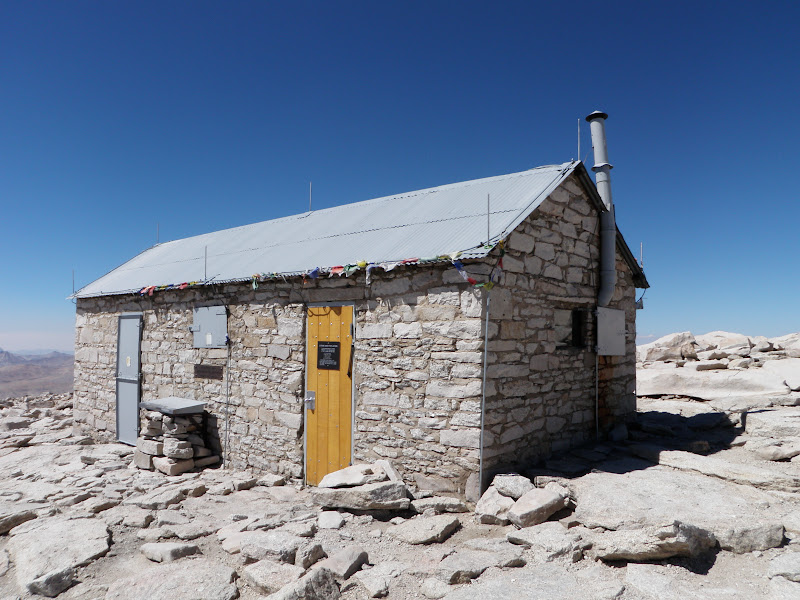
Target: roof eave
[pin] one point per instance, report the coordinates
(639, 278)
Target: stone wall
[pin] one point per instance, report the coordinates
(417, 367)
(418, 380)
(258, 408)
(541, 387)
(418, 359)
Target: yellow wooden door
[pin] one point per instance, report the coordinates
(329, 376)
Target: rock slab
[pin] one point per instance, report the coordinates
(13, 514)
(47, 551)
(196, 579)
(785, 565)
(389, 495)
(273, 545)
(678, 539)
(352, 476)
(269, 577)
(425, 530)
(535, 506)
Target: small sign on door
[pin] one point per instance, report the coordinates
(328, 356)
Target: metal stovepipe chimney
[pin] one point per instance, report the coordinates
(608, 227)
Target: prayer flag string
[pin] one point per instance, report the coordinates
(349, 269)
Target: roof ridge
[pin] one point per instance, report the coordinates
(368, 201)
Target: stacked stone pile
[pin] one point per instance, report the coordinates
(172, 444)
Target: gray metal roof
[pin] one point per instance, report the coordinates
(425, 224)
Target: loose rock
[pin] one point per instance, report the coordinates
(464, 565)
(352, 476)
(330, 519)
(425, 530)
(168, 551)
(390, 495)
(435, 588)
(273, 545)
(378, 579)
(308, 555)
(439, 504)
(512, 485)
(493, 507)
(748, 537)
(534, 507)
(317, 584)
(345, 562)
(268, 576)
(550, 539)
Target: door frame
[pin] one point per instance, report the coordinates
(128, 315)
(305, 383)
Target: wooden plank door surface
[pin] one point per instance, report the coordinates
(329, 376)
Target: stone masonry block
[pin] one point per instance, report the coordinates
(407, 330)
(521, 242)
(371, 331)
(151, 447)
(447, 389)
(172, 467)
(461, 438)
(142, 460)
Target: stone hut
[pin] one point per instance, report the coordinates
(450, 335)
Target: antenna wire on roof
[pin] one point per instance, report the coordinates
(488, 217)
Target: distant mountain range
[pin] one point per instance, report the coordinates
(35, 372)
(39, 352)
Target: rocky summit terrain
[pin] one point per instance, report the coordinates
(697, 498)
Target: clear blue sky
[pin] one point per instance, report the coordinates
(116, 116)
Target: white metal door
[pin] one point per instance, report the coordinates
(128, 377)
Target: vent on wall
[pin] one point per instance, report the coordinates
(210, 327)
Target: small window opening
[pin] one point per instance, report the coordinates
(580, 320)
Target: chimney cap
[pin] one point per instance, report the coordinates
(598, 114)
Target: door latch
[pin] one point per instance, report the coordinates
(311, 400)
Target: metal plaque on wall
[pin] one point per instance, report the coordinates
(208, 372)
(328, 354)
